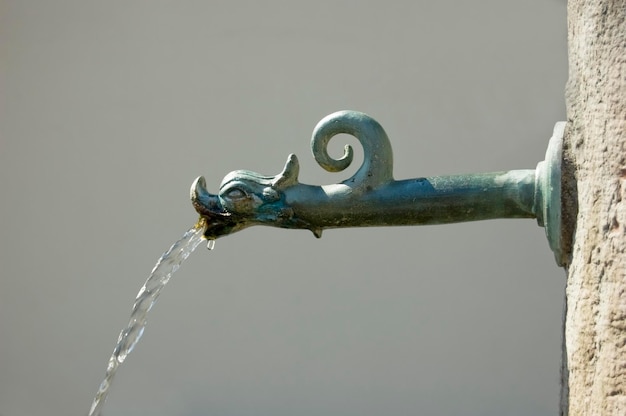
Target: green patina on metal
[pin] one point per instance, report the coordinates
(371, 197)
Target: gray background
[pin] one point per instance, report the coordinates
(109, 110)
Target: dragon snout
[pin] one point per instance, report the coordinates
(218, 221)
(203, 202)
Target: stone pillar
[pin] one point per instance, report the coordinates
(594, 368)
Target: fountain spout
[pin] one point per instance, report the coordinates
(372, 197)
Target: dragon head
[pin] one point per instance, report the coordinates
(246, 198)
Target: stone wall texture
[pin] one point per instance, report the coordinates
(595, 321)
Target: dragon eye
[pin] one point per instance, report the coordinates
(236, 193)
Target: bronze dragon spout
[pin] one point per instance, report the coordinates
(372, 197)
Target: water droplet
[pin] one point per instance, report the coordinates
(210, 244)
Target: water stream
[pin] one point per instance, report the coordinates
(165, 267)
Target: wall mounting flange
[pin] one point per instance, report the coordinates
(548, 192)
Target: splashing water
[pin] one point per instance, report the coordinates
(165, 267)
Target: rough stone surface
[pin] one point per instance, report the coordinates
(595, 321)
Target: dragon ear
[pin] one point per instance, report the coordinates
(289, 175)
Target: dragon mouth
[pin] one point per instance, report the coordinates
(219, 222)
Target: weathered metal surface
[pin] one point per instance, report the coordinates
(371, 197)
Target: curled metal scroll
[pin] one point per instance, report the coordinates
(377, 167)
